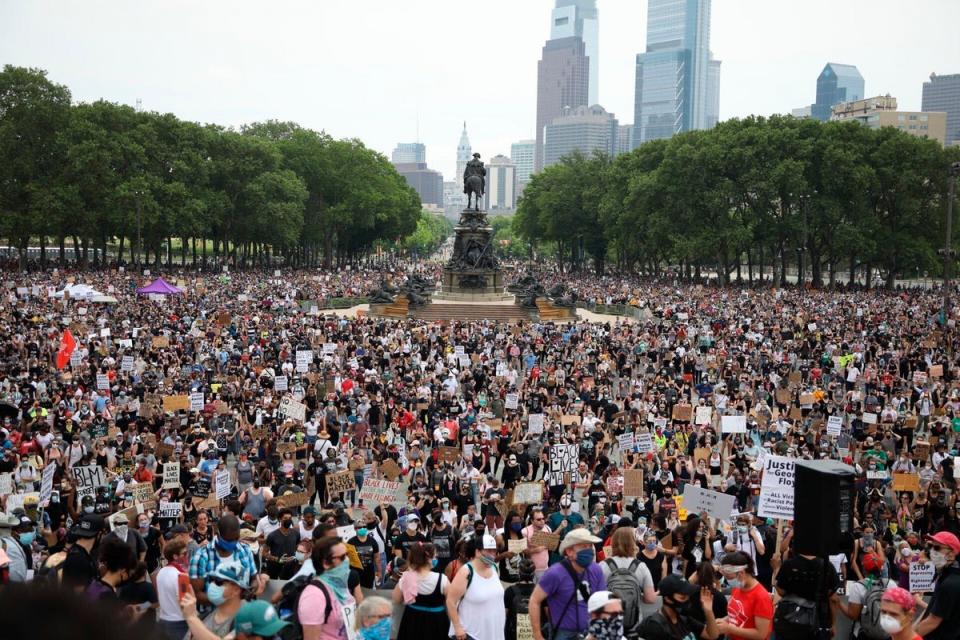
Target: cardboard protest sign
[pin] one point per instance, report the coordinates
(528, 493)
(542, 539)
(176, 403)
(563, 460)
(566, 421)
(704, 415)
(807, 399)
(142, 492)
(682, 412)
(733, 424)
(160, 342)
(164, 450)
(222, 484)
(449, 454)
(697, 500)
(776, 488)
(293, 409)
(906, 482)
(517, 546)
(375, 491)
(783, 396)
(390, 469)
(286, 447)
(936, 371)
(341, 481)
(633, 483)
(922, 576)
(869, 418)
(171, 475)
(291, 500)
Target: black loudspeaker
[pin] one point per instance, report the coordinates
(823, 498)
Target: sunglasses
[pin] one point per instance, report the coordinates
(220, 581)
(338, 559)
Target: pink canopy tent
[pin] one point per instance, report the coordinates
(159, 286)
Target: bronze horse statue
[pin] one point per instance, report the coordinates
(474, 181)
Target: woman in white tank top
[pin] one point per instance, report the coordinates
(475, 598)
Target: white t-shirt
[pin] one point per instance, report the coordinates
(168, 594)
(264, 527)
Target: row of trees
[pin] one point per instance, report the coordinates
(102, 174)
(830, 199)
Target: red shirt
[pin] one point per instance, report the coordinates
(745, 606)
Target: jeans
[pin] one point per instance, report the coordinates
(174, 630)
(563, 634)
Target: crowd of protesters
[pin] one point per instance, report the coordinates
(101, 400)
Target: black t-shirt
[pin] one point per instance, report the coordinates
(78, 568)
(657, 627)
(516, 599)
(404, 541)
(813, 579)
(280, 544)
(368, 550)
(946, 604)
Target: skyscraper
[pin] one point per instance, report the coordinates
(522, 153)
(677, 81)
(579, 18)
(584, 129)
(563, 78)
(836, 83)
(463, 153)
(942, 93)
(501, 192)
(409, 153)
(427, 182)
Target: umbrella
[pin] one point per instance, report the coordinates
(106, 299)
(7, 410)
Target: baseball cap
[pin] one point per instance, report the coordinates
(599, 599)
(232, 572)
(673, 584)
(89, 526)
(258, 618)
(578, 536)
(947, 539)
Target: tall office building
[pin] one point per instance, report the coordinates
(426, 182)
(942, 93)
(409, 153)
(563, 78)
(836, 83)
(625, 138)
(501, 192)
(584, 129)
(677, 81)
(522, 153)
(579, 18)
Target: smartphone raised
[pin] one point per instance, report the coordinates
(183, 585)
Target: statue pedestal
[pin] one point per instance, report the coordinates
(473, 269)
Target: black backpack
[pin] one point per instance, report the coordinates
(795, 617)
(626, 585)
(287, 608)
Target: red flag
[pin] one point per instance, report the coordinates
(67, 345)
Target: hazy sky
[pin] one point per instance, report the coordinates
(370, 68)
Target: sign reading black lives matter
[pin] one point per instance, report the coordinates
(563, 460)
(776, 488)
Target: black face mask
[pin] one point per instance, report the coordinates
(679, 607)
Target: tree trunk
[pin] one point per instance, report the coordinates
(63, 250)
(120, 250)
(853, 270)
(43, 252)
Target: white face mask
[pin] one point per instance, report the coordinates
(939, 559)
(889, 624)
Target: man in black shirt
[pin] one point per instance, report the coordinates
(368, 550)
(281, 548)
(672, 622)
(814, 579)
(79, 568)
(409, 536)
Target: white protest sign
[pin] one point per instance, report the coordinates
(103, 382)
(697, 500)
(88, 479)
(293, 409)
(776, 488)
(126, 364)
(535, 423)
(280, 383)
(6, 483)
(627, 442)
(921, 577)
(46, 484)
(512, 401)
(347, 532)
(171, 475)
(170, 509)
(563, 460)
(376, 491)
(834, 425)
(222, 484)
(733, 424)
(644, 442)
(196, 401)
(703, 416)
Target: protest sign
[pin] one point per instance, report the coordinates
(776, 488)
(563, 460)
(542, 539)
(697, 500)
(222, 484)
(291, 500)
(46, 484)
(733, 424)
(632, 483)
(341, 481)
(566, 421)
(347, 532)
(376, 491)
(142, 491)
(869, 418)
(528, 493)
(6, 483)
(644, 442)
(834, 425)
(390, 469)
(535, 423)
(170, 509)
(196, 402)
(517, 546)
(448, 454)
(176, 403)
(293, 409)
(103, 382)
(704, 415)
(906, 482)
(126, 363)
(682, 412)
(614, 485)
(171, 475)
(921, 577)
(627, 442)
(280, 383)
(88, 479)
(160, 342)
(512, 401)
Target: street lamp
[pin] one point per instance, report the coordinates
(948, 254)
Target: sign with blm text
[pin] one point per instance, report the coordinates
(776, 488)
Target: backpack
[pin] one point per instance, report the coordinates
(870, 613)
(287, 608)
(795, 617)
(626, 585)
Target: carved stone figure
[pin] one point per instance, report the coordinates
(474, 181)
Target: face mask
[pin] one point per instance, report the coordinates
(88, 509)
(215, 593)
(516, 527)
(584, 557)
(868, 540)
(411, 526)
(27, 538)
(735, 583)
(939, 559)
(362, 532)
(742, 528)
(679, 607)
(651, 546)
(286, 524)
(144, 526)
(607, 629)
(490, 560)
(379, 631)
(434, 562)
(121, 531)
(227, 546)
(300, 555)
(889, 624)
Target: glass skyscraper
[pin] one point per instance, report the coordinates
(579, 18)
(942, 93)
(837, 83)
(677, 81)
